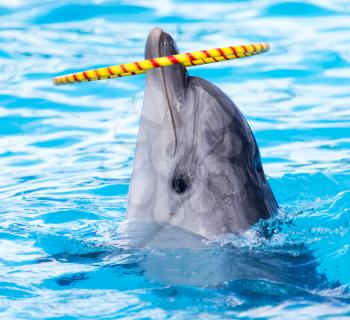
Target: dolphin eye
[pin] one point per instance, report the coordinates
(180, 183)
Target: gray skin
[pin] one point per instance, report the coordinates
(197, 165)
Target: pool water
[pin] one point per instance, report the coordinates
(66, 156)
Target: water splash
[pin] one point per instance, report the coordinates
(66, 155)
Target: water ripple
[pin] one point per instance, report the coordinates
(66, 155)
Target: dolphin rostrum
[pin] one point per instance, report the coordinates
(197, 165)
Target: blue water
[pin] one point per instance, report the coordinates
(66, 156)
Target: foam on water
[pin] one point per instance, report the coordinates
(66, 155)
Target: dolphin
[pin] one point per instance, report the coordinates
(197, 165)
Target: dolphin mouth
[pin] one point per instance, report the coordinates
(172, 80)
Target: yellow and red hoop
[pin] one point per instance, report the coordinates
(187, 59)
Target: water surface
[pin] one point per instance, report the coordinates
(66, 156)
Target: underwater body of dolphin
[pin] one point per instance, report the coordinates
(197, 164)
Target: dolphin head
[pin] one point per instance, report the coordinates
(197, 164)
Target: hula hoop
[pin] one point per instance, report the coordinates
(187, 59)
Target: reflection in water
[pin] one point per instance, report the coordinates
(66, 156)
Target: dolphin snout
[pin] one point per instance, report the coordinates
(159, 43)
